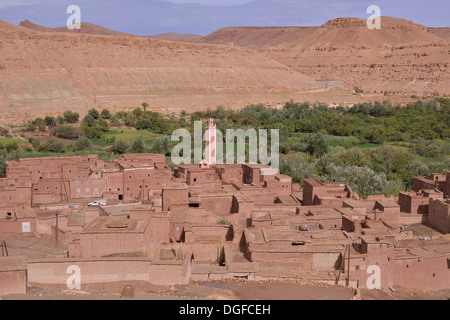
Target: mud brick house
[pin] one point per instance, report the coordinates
(218, 220)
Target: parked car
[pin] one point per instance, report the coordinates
(98, 203)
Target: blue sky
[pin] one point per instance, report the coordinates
(146, 17)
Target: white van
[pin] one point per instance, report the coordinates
(98, 203)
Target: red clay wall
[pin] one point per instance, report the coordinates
(13, 282)
(108, 270)
(439, 215)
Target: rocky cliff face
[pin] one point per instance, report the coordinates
(402, 58)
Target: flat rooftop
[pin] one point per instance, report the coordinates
(115, 225)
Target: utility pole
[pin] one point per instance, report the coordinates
(56, 231)
(4, 248)
(348, 267)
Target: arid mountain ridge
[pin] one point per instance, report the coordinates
(50, 70)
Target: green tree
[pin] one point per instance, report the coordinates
(106, 114)
(138, 146)
(94, 113)
(71, 117)
(316, 145)
(50, 121)
(82, 143)
(162, 146)
(120, 147)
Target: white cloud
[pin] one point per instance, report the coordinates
(15, 3)
(213, 3)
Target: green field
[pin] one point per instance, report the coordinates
(5, 141)
(130, 135)
(368, 146)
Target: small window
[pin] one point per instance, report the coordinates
(78, 190)
(96, 190)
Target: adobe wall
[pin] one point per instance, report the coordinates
(159, 228)
(15, 196)
(308, 192)
(439, 215)
(95, 245)
(203, 251)
(114, 182)
(304, 260)
(43, 198)
(108, 270)
(13, 282)
(87, 188)
(220, 205)
(413, 204)
(15, 226)
(422, 274)
(447, 186)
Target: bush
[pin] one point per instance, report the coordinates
(92, 132)
(71, 117)
(316, 145)
(138, 146)
(53, 146)
(106, 114)
(94, 113)
(143, 124)
(81, 144)
(162, 146)
(89, 121)
(50, 121)
(65, 132)
(119, 147)
(297, 168)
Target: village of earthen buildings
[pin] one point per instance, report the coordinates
(208, 221)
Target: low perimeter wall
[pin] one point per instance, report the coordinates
(108, 270)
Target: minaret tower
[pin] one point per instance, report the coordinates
(210, 144)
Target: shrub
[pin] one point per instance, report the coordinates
(50, 121)
(81, 144)
(94, 113)
(106, 114)
(138, 146)
(53, 146)
(71, 117)
(162, 146)
(119, 147)
(65, 132)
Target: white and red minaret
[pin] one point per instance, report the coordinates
(210, 144)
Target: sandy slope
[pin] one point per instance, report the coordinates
(45, 69)
(402, 58)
